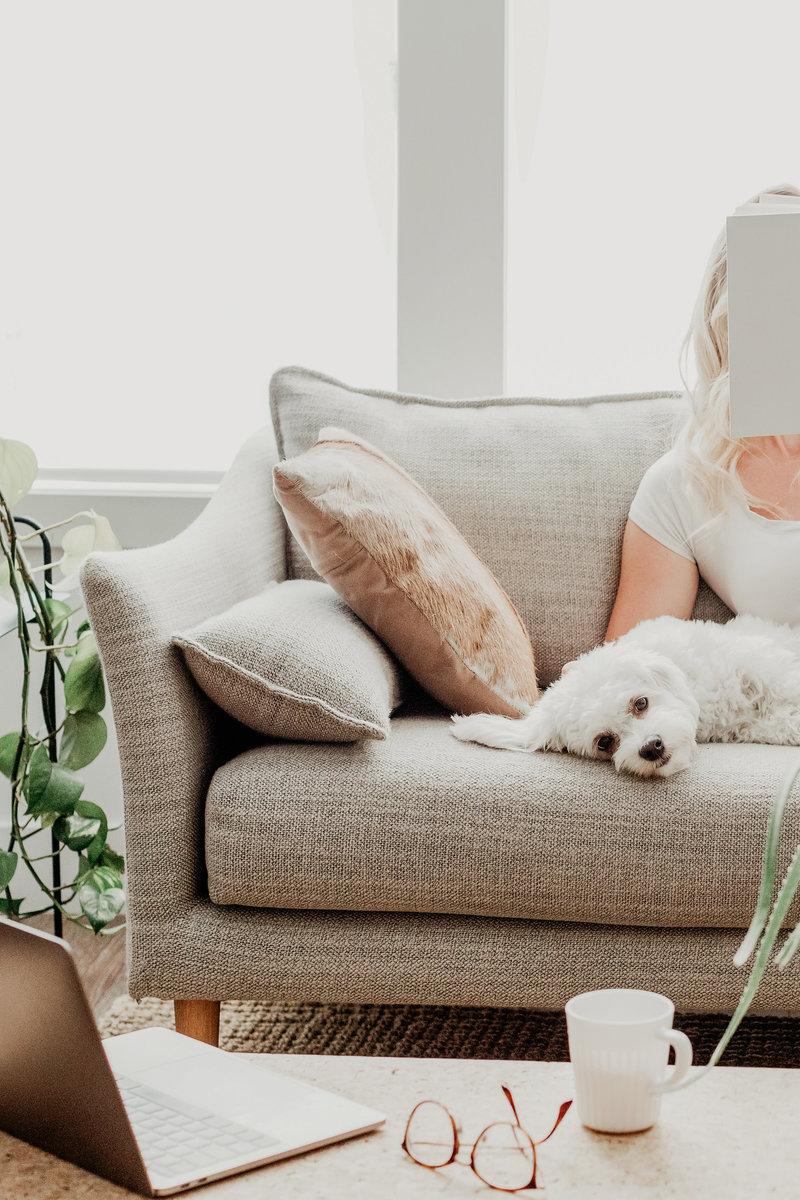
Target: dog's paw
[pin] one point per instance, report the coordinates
(467, 729)
(488, 729)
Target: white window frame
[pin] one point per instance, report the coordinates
(451, 253)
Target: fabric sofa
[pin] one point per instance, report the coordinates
(419, 869)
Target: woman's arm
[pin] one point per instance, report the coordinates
(653, 582)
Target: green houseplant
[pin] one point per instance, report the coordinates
(766, 925)
(61, 733)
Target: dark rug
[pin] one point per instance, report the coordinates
(425, 1031)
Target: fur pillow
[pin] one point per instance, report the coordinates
(401, 564)
(294, 662)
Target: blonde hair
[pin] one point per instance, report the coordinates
(710, 455)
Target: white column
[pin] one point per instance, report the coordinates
(451, 196)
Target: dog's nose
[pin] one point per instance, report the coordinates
(652, 749)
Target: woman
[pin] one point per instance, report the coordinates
(721, 508)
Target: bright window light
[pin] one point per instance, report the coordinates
(635, 129)
(195, 193)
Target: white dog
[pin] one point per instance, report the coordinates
(644, 701)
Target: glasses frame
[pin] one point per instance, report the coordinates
(458, 1144)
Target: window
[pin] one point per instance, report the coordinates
(196, 193)
(634, 130)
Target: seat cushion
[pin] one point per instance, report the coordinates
(540, 489)
(423, 823)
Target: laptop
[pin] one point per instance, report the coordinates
(153, 1111)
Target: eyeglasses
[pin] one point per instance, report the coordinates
(503, 1156)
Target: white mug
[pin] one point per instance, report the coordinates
(619, 1040)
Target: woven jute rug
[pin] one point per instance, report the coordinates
(425, 1031)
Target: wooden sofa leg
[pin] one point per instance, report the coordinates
(198, 1019)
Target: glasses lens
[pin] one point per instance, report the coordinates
(430, 1138)
(504, 1157)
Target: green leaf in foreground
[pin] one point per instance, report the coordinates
(766, 927)
(84, 736)
(93, 812)
(9, 910)
(59, 613)
(768, 868)
(18, 470)
(8, 865)
(110, 858)
(8, 752)
(83, 685)
(75, 831)
(100, 907)
(49, 787)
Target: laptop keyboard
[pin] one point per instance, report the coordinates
(177, 1138)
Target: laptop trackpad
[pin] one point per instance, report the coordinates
(263, 1099)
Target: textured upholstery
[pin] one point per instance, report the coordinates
(413, 958)
(171, 737)
(423, 823)
(295, 662)
(172, 740)
(540, 489)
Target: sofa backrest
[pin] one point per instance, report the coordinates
(539, 488)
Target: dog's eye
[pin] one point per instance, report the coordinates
(606, 744)
(640, 704)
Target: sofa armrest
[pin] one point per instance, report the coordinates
(171, 737)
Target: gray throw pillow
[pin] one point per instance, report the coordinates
(295, 662)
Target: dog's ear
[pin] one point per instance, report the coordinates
(667, 674)
(661, 671)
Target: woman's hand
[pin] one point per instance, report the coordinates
(653, 582)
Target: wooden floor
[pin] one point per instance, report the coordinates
(100, 962)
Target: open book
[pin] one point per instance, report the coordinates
(764, 316)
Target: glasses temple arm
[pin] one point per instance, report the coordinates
(562, 1112)
(510, 1099)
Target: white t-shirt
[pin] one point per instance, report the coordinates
(751, 562)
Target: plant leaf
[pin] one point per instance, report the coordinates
(8, 752)
(49, 787)
(76, 831)
(8, 865)
(18, 470)
(784, 899)
(769, 865)
(83, 684)
(102, 878)
(82, 540)
(84, 736)
(110, 858)
(789, 949)
(94, 849)
(83, 628)
(14, 908)
(59, 613)
(100, 907)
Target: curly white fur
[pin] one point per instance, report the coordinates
(701, 681)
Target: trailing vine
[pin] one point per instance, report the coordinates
(42, 760)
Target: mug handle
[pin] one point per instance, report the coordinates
(683, 1058)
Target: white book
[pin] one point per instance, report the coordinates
(764, 316)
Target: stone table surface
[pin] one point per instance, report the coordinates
(736, 1133)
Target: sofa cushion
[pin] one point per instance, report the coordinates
(295, 662)
(540, 489)
(392, 554)
(423, 823)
